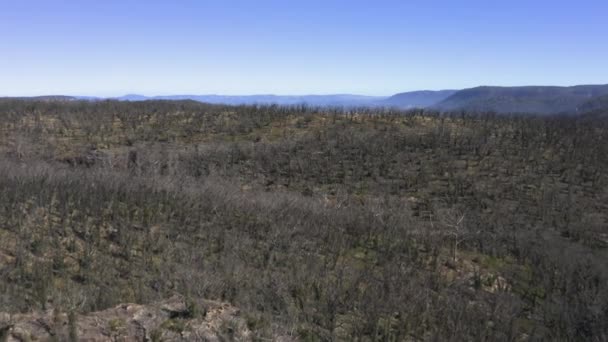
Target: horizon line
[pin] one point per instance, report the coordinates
(297, 95)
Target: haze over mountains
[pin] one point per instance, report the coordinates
(419, 99)
(531, 99)
(526, 99)
(316, 100)
(413, 99)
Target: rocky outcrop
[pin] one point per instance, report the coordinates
(175, 319)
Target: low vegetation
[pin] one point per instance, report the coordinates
(318, 224)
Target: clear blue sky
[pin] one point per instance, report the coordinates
(109, 47)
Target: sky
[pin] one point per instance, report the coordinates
(112, 48)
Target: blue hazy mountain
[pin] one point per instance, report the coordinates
(418, 99)
(598, 103)
(314, 100)
(133, 97)
(529, 99)
(45, 98)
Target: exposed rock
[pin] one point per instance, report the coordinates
(175, 319)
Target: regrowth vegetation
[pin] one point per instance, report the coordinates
(318, 224)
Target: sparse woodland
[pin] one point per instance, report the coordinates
(318, 224)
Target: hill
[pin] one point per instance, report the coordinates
(418, 99)
(596, 104)
(45, 98)
(317, 225)
(530, 99)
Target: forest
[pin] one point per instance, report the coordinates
(318, 224)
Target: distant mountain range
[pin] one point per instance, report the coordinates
(314, 100)
(45, 98)
(529, 99)
(414, 99)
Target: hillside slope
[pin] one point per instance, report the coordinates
(318, 225)
(418, 99)
(598, 103)
(532, 99)
(174, 319)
